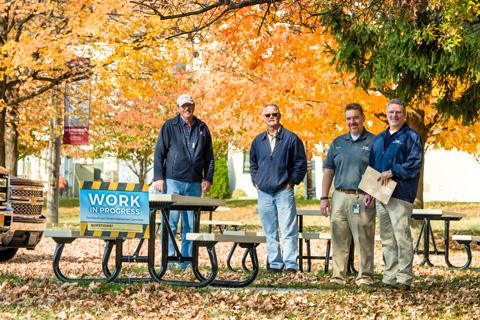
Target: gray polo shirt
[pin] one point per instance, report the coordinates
(349, 159)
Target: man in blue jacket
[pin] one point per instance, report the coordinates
(277, 163)
(183, 165)
(398, 154)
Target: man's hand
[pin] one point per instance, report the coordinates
(367, 200)
(385, 176)
(206, 186)
(159, 185)
(324, 207)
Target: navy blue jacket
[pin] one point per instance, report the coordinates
(270, 172)
(401, 152)
(171, 159)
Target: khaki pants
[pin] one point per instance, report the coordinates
(346, 226)
(396, 240)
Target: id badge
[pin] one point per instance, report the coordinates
(356, 208)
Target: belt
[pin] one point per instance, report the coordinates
(350, 191)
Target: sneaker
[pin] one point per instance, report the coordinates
(291, 270)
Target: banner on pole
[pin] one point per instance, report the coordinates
(77, 109)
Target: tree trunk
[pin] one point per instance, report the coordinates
(2, 137)
(11, 139)
(416, 121)
(53, 164)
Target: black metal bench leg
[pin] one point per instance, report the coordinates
(309, 256)
(230, 256)
(468, 250)
(203, 281)
(251, 249)
(244, 262)
(327, 255)
(351, 260)
(57, 257)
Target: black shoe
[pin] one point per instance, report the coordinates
(274, 270)
(290, 270)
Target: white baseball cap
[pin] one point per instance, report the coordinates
(183, 99)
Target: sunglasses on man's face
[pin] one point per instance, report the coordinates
(273, 114)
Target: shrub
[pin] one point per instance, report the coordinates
(299, 191)
(220, 187)
(238, 193)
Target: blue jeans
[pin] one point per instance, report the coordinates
(182, 188)
(276, 210)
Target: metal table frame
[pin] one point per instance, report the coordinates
(426, 233)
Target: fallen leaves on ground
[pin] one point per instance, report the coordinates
(28, 289)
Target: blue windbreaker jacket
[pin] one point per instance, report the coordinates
(402, 152)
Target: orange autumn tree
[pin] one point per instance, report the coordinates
(38, 41)
(289, 65)
(134, 88)
(284, 64)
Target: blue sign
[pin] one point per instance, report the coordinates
(113, 206)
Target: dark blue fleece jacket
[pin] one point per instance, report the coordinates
(171, 158)
(271, 171)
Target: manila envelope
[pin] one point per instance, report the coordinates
(370, 184)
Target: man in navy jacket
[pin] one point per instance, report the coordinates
(398, 154)
(183, 165)
(277, 163)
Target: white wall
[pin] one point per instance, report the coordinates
(451, 176)
(236, 177)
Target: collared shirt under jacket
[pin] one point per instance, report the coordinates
(271, 171)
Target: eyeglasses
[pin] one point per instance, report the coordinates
(274, 114)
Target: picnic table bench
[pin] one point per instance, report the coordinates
(247, 240)
(64, 237)
(466, 240)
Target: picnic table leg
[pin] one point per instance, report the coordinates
(327, 256)
(351, 259)
(300, 243)
(57, 257)
(230, 256)
(203, 281)
(309, 255)
(244, 262)
(426, 243)
(157, 276)
(252, 252)
(467, 244)
(417, 245)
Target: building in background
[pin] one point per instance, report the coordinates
(448, 176)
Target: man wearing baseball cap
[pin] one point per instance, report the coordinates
(183, 165)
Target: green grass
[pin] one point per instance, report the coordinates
(9, 277)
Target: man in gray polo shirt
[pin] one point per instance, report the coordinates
(351, 214)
